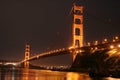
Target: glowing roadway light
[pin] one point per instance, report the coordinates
(77, 51)
(48, 52)
(11, 64)
(116, 38)
(91, 48)
(88, 44)
(71, 47)
(63, 49)
(105, 41)
(51, 51)
(119, 45)
(96, 48)
(96, 43)
(113, 40)
(111, 46)
(80, 51)
(60, 49)
(57, 50)
(37, 56)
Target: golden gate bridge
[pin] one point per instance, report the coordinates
(90, 48)
(77, 47)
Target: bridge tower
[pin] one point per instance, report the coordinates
(27, 56)
(77, 27)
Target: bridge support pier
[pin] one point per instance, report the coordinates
(26, 64)
(74, 54)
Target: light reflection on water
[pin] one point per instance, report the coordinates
(32, 74)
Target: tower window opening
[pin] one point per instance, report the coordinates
(27, 50)
(77, 31)
(77, 43)
(26, 54)
(77, 21)
(77, 12)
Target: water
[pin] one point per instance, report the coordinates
(33, 74)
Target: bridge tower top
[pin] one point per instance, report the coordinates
(77, 26)
(27, 51)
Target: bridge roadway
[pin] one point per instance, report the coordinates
(71, 50)
(48, 54)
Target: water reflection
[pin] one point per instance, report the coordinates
(76, 76)
(32, 74)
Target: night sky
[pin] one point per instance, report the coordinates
(47, 25)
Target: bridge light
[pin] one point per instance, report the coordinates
(63, 49)
(37, 56)
(14, 64)
(57, 50)
(113, 40)
(51, 51)
(48, 52)
(91, 48)
(71, 47)
(105, 41)
(116, 37)
(111, 46)
(119, 45)
(96, 48)
(88, 44)
(80, 51)
(96, 43)
(77, 51)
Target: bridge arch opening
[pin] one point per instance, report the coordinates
(77, 12)
(77, 21)
(77, 31)
(77, 43)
